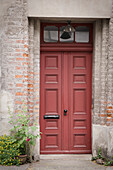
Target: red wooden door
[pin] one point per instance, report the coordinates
(80, 102)
(65, 85)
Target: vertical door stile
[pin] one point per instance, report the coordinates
(70, 101)
(65, 101)
(62, 98)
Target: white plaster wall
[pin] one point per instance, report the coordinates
(70, 8)
(4, 4)
(102, 137)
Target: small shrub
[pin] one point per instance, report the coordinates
(8, 151)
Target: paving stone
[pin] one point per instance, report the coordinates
(21, 167)
(66, 164)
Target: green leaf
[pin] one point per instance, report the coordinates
(33, 128)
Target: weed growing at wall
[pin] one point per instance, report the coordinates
(101, 160)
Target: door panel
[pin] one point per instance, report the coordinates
(80, 101)
(66, 84)
(50, 101)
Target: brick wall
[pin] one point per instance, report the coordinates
(100, 70)
(103, 73)
(20, 68)
(14, 59)
(109, 91)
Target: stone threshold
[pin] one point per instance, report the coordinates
(65, 156)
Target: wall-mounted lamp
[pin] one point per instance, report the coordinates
(67, 31)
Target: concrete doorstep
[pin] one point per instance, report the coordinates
(66, 156)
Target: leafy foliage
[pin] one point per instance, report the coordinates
(107, 162)
(94, 158)
(99, 156)
(24, 133)
(8, 151)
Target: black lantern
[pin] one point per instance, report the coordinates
(67, 31)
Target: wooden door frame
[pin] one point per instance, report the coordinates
(66, 46)
(69, 47)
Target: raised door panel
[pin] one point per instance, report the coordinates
(51, 101)
(79, 101)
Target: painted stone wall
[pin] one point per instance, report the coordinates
(70, 8)
(102, 127)
(34, 76)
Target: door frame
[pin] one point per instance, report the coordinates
(67, 47)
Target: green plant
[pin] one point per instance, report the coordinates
(99, 155)
(24, 133)
(112, 161)
(106, 162)
(94, 158)
(8, 151)
(109, 162)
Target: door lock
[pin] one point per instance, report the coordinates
(65, 112)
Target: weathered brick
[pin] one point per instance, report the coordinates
(19, 94)
(18, 76)
(30, 85)
(17, 50)
(19, 85)
(20, 59)
(18, 102)
(25, 55)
